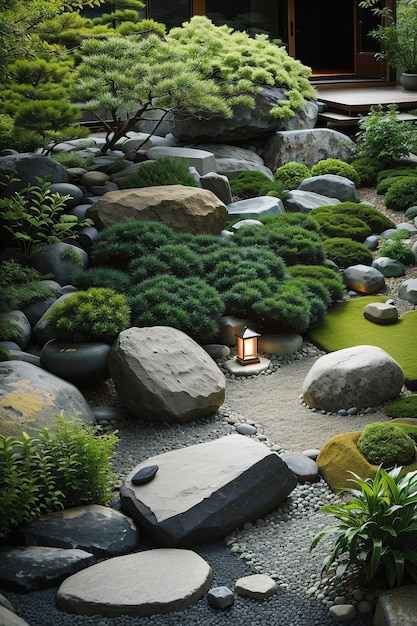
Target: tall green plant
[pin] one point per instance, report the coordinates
(35, 217)
(377, 529)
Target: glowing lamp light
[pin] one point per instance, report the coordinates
(247, 346)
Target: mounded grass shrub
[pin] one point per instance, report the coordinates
(250, 184)
(173, 258)
(385, 183)
(334, 224)
(65, 467)
(395, 249)
(117, 245)
(402, 194)
(367, 168)
(165, 171)
(405, 407)
(97, 314)
(377, 221)
(292, 174)
(345, 252)
(102, 277)
(328, 277)
(188, 304)
(338, 168)
(387, 445)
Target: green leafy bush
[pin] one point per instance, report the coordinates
(36, 217)
(117, 245)
(402, 407)
(337, 167)
(395, 249)
(329, 278)
(377, 221)
(188, 304)
(387, 445)
(377, 528)
(339, 224)
(250, 184)
(367, 168)
(102, 277)
(173, 258)
(166, 171)
(385, 183)
(345, 252)
(97, 314)
(402, 194)
(381, 136)
(292, 174)
(16, 138)
(402, 168)
(70, 466)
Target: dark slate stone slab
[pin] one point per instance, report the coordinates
(97, 529)
(202, 492)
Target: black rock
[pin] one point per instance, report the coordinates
(145, 475)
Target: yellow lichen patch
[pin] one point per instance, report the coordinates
(26, 399)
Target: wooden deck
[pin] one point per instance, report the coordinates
(344, 106)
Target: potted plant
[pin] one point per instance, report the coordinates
(398, 39)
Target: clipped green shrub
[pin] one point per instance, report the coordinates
(402, 168)
(376, 530)
(337, 167)
(402, 194)
(102, 277)
(165, 171)
(292, 174)
(69, 466)
(329, 278)
(339, 224)
(402, 407)
(97, 314)
(385, 183)
(117, 245)
(395, 249)
(188, 304)
(367, 169)
(377, 221)
(72, 159)
(345, 252)
(175, 259)
(250, 184)
(386, 445)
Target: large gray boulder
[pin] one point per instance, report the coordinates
(27, 166)
(363, 376)
(306, 146)
(218, 487)
(408, 290)
(184, 209)
(255, 208)
(62, 260)
(30, 398)
(300, 201)
(163, 375)
(363, 278)
(331, 186)
(246, 124)
(233, 160)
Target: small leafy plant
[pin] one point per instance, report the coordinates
(386, 444)
(35, 217)
(395, 249)
(97, 314)
(70, 466)
(377, 528)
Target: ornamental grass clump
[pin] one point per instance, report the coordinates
(376, 529)
(166, 171)
(97, 314)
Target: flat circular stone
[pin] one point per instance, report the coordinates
(140, 584)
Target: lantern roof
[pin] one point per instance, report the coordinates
(247, 333)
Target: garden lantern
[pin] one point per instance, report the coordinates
(247, 346)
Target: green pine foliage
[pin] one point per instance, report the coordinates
(377, 221)
(345, 252)
(337, 167)
(176, 259)
(166, 171)
(328, 277)
(69, 466)
(250, 184)
(292, 174)
(188, 304)
(386, 182)
(402, 194)
(102, 277)
(334, 224)
(395, 249)
(97, 314)
(367, 169)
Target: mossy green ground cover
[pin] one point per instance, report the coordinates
(345, 326)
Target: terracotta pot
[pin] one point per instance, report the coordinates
(408, 81)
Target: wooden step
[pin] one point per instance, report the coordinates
(341, 119)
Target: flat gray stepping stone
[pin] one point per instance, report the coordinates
(29, 568)
(141, 584)
(257, 586)
(251, 369)
(381, 313)
(397, 606)
(8, 618)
